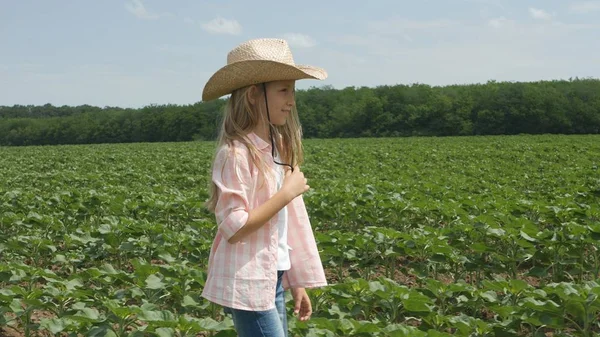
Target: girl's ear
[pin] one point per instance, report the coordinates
(252, 94)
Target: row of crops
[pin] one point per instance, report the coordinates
(466, 236)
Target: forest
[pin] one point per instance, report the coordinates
(494, 108)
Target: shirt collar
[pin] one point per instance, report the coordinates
(258, 142)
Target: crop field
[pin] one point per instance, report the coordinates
(465, 236)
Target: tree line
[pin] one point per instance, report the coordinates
(557, 107)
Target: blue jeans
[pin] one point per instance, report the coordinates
(269, 323)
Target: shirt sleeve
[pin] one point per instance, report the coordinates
(231, 174)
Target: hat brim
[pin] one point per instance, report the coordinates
(238, 75)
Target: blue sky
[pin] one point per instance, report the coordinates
(132, 53)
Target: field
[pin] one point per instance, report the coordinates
(473, 236)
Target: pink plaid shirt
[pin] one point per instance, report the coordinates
(244, 275)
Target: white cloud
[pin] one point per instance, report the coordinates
(500, 22)
(539, 14)
(223, 26)
(502, 49)
(299, 40)
(137, 8)
(189, 21)
(585, 7)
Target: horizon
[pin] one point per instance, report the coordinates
(323, 87)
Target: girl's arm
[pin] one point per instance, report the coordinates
(302, 305)
(260, 215)
(294, 184)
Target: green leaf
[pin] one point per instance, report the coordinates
(540, 306)
(157, 316)
(108, 269)
(137, 292)
(517, 286)
(54, 325)
(226, 333)
(127, 247)
(317, 332)
(538, 272)
(415, 305)
(87, 315)
(208, 324)
(506, 311)
(59, 258)
(16, 306)
(6, 295)
(480, 247)
(154, 282)
(438, 258)
(73, 284)
(188, 301)
(165, 332)
(345, 325)
(490, 296)
(376, 286)
(576, 309)
(545, 319)
(167, 257)
(527, 237)
(105, 229)
(367, 327)
(101, 331)
(335, 311)
(496, 231)
(401, 330)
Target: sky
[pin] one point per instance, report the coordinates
(134, 53)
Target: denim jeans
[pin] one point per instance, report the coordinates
(269, 323)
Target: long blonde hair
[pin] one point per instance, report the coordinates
(240, 117)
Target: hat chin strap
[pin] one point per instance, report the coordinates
(271, 131)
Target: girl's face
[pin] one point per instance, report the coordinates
(281, 98)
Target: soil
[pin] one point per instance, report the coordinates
(36, 317)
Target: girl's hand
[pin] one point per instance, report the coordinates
(295, 183)
(302, 307)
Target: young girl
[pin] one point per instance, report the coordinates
(264, 243)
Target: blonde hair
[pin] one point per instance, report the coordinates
(240, 117)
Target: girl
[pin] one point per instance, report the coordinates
(264, 243)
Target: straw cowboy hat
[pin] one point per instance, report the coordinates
(258, 61)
